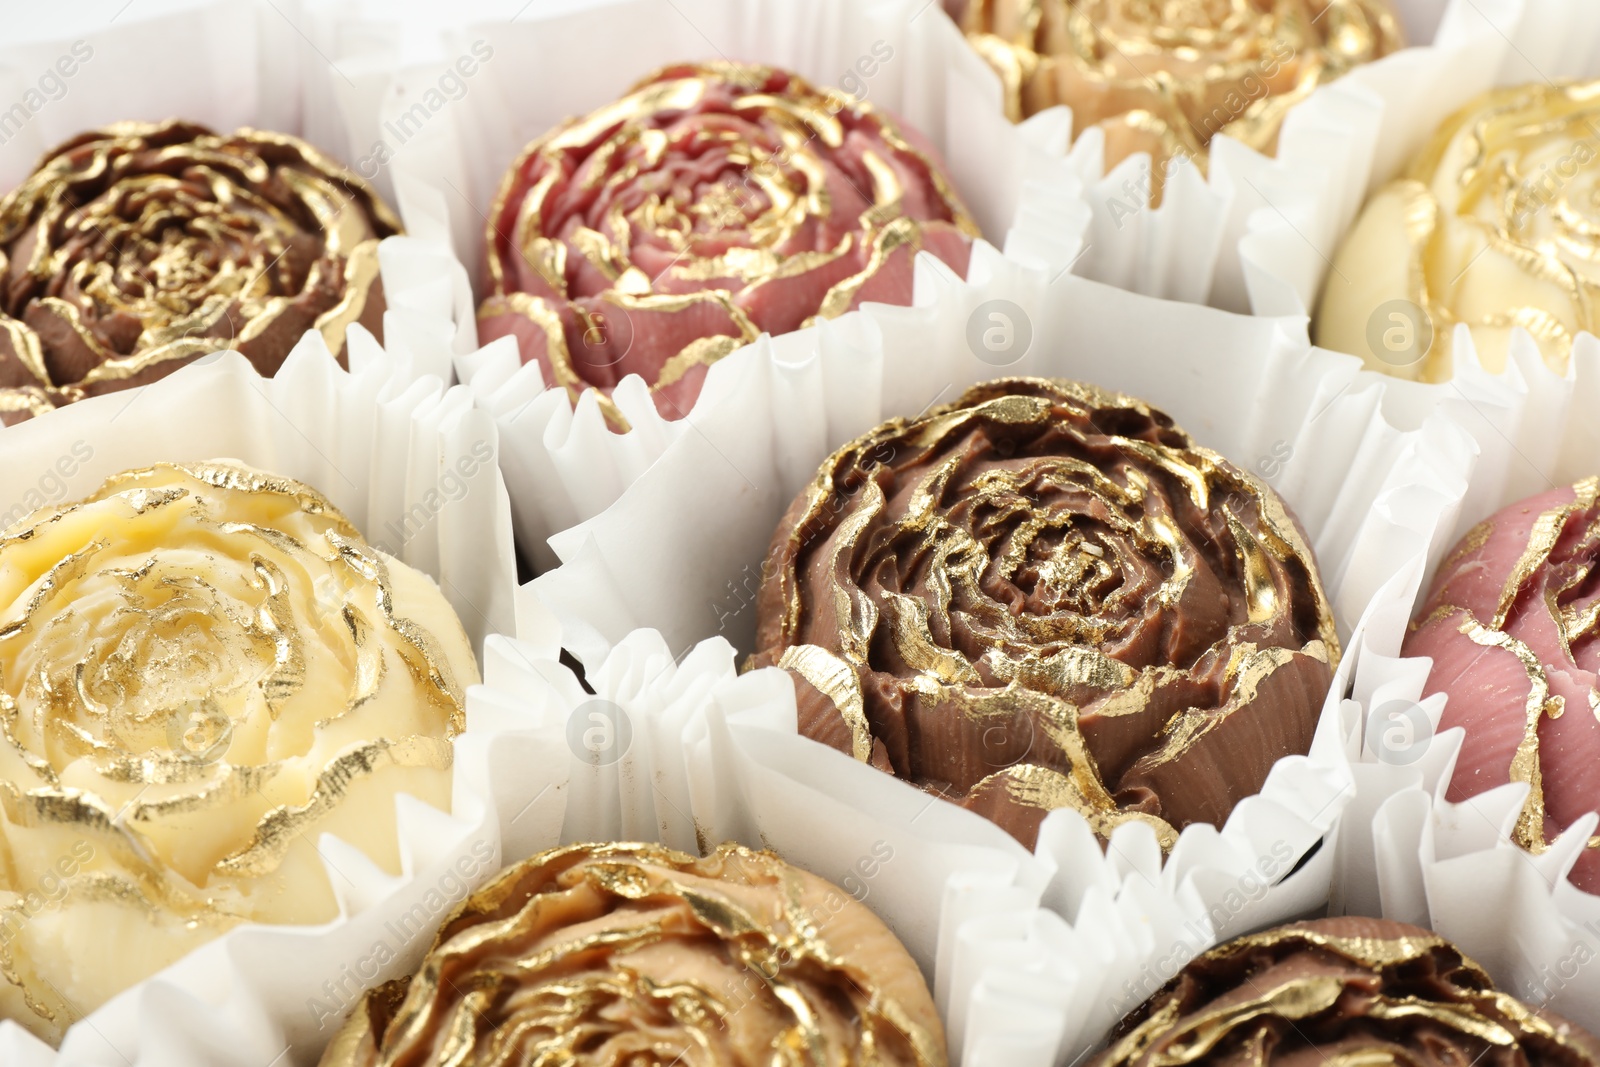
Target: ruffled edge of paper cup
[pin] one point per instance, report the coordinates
(1378, 501)
(1407, 853)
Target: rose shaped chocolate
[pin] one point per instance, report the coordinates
(1493, 225)
(1166, 76)
(202, 670)
(132, 250)
(1046, 595)
(611, 954)
(712, 204)
(1342, 991)
(1511, 625)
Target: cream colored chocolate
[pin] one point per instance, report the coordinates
(1495, 225)
(606, 954)
(203, 668)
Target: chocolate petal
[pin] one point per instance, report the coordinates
(70, 353)
(21, 358)
(1221, 755)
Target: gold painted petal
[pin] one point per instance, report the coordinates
(344, 226)
(26, 401)
(1259, 586)
(699, 353)
(1044, 789)
(897, 234)
(279, 829)
(25, 346)
(1525, 766)
(360, 276)
(547, 320)
(1547, 530)
(835, 679)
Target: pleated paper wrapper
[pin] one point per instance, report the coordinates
(1258, 233)
(1411, 854)
(565, 465)
(1040, 973)
(1029, 960)
(1406, 852)
(413, 466)
(313, 69)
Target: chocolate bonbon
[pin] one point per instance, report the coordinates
(1047, 595)
(133, 250)
(713, 203)
(203, 669)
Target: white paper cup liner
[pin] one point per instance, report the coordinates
(680, 553)
(1032, 959)
(303, 68)
(1412, 855)
(414, 467)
